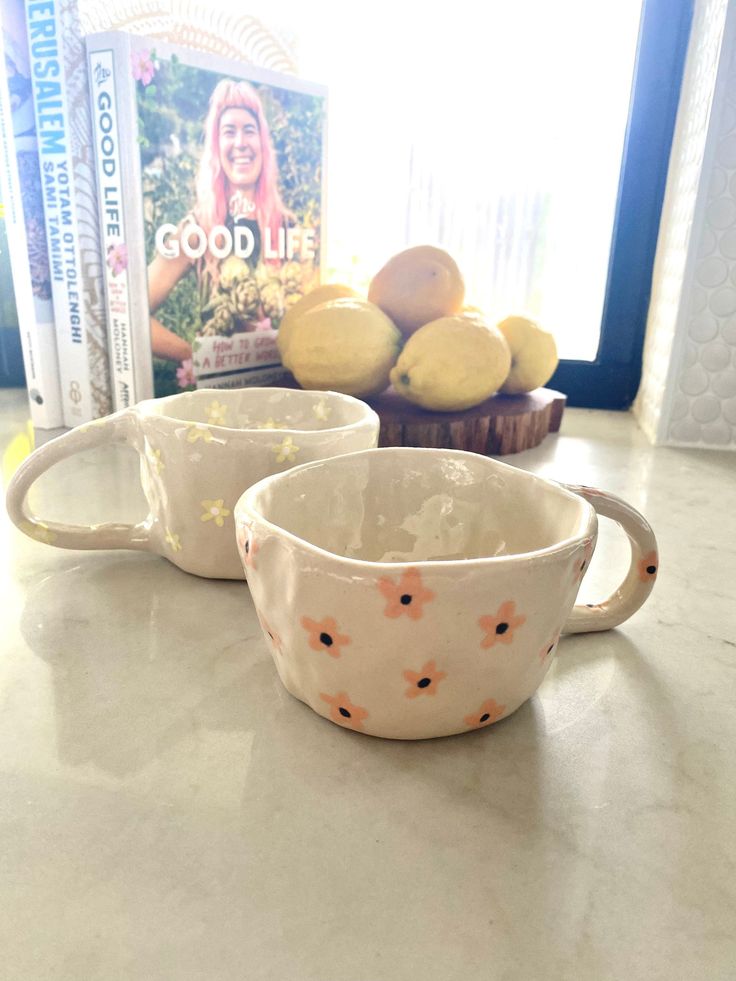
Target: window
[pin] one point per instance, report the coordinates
(530, 139)
(512, 136)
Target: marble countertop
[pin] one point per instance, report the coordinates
(169, 813)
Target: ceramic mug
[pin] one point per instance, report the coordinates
(198, 452)
(433, 601)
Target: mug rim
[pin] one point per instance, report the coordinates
(244, 506)
(369, 415)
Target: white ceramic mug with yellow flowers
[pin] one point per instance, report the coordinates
(199, 451)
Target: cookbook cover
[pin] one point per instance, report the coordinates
(26, 258)
(211, 190)
(63, 123)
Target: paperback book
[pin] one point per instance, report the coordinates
(211, 189)
(27, 295)
(63, 122)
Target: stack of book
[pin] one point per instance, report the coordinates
(164, 208)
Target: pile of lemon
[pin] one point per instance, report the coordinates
(414, 333)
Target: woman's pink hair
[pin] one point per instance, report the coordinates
(212, 185)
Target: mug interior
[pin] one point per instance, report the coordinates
(418, 505)
(289, 409)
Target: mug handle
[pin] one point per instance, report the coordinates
(120, 428)
(639, 580)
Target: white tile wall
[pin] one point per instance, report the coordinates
(688, 390)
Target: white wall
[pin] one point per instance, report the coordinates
(688, 390)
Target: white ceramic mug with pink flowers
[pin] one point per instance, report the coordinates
(198, 452)
(432, 601)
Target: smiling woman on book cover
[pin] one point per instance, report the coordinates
(237, 188)
(249, 255)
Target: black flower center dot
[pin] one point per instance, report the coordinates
(582, 566)
(485, 717)
(651, 569)
(344, 712)
(327, 641)
(590, 605)
(502, 628)
(424, 682)
(405, 599)
(549, 649)
(247, 547)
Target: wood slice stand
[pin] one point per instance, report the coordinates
(502, 424)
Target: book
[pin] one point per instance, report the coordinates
(26, 298)
(63, 123)
(12, 373)
(11, 366)
(211, 192)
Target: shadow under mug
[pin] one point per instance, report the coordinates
(198, 452)
(433, 601)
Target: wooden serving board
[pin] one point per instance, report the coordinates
(502, 424)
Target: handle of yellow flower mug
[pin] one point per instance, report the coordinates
(117, 428)
(639, 580)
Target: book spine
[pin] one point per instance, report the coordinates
(104, 106)
(34, 313)
(115, 136)
(59, 78)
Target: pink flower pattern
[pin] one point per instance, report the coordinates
(185, 374)
(143, 65)
(117, 258)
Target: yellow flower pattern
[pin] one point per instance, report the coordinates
(173, 541)
(286, 450)
(214, 511)
(322, 410)
(156, 462)
(270, 423)
(216, 414)
(198, 431)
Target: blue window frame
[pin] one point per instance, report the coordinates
(612, 380)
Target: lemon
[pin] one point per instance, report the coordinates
(452, 364)
(347, 345)
(315, 297)
(417, 286)
(533, 355)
